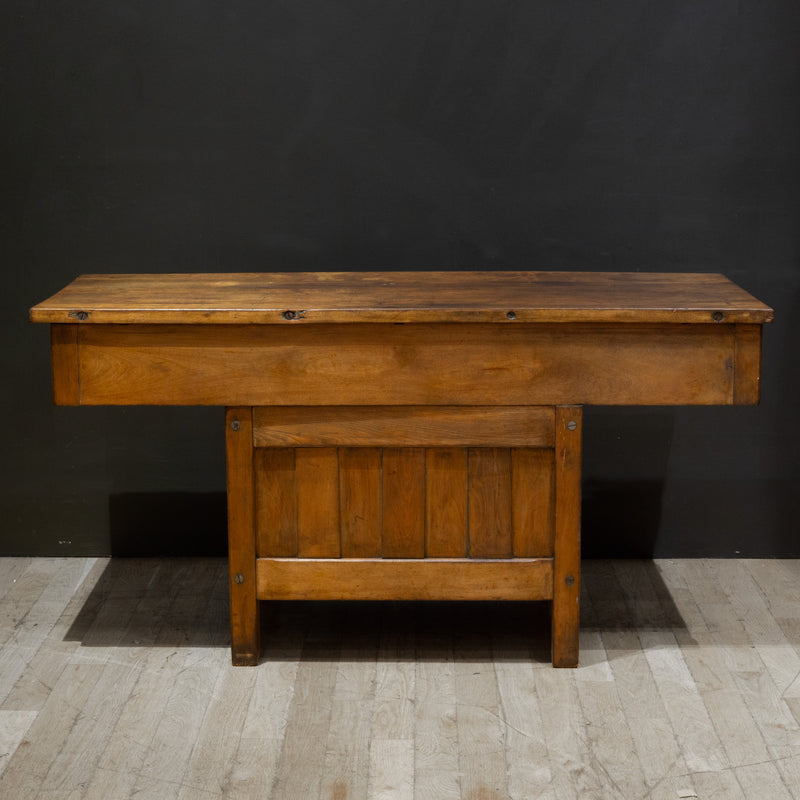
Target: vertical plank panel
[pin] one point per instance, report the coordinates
(241, 537)
(533, 493)
(489, 502)
(567, 546)
(446, 502)
(276, 502)
(64, 360)
(403, 502)
(360, 501)
(317, 474)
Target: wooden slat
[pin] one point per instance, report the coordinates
(276, 501)
(403, 533)
(64, 358)
(413, 426)
(404, 579)
(467, 364)
(747, 365)
(303, 298)
(567, 546)
(446, 502)
(245, 646)
(533, 499)
(360, 501)
(317, 474)
(489, 490)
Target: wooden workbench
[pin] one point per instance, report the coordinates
(404, 435)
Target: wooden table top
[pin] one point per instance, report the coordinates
(268, 298)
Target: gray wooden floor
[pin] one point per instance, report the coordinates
(115, 682)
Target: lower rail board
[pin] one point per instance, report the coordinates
(404, 579)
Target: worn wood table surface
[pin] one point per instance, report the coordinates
(404, 435)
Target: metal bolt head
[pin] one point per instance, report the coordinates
(236, 425)
(572, 425)
(511, 315)
(238, 578)
(569, 580)
(717, 316)
(289, 315)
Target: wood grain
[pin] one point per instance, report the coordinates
(64, 360)
(360, 500)
(446, 502)
(305, 298)
(567, 545)
(489, 502)
(217, 739)
(276, 501)
(317, 474)
(161, 616)
(412, 426)
(435, 732)
(403, 534)
(299, 774)
(747, 361)
(483, 772)
(245, 647)
(404, 579)
(391, 769)
(436, 364)
(525, 742)
(345, 771)
(533, 501)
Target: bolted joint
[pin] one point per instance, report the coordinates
(236, 425)
(572, 425)
(238, 578)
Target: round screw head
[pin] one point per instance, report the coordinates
(572, 425)
(569, 580)
(236, 425)
(511, 315)
(717, 316)
(238, 578)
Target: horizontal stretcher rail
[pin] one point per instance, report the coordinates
(404, 579)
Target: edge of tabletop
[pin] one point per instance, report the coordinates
(73, 304)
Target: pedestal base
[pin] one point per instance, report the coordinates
(404, 503)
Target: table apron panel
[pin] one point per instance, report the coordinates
(414, 364)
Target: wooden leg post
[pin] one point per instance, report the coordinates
(567, 549)
(245, 646)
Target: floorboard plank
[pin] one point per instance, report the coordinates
(435, 728)
(481, 733)
(302, 757)
(347, 752)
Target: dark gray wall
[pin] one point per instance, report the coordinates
(203, 136)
